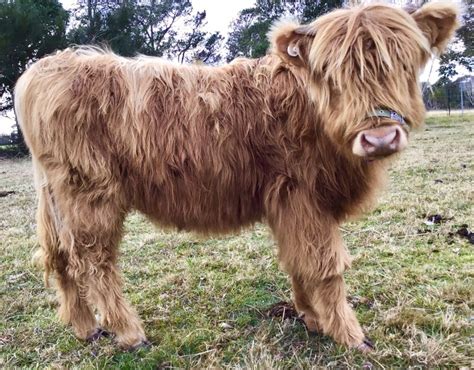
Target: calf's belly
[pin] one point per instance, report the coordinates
(193, 208)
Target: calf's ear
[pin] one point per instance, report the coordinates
(291, 42)
(438, 21)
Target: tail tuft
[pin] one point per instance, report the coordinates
(47, 224)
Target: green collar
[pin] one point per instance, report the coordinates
(388, 113)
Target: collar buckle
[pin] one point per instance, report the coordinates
(388, 113)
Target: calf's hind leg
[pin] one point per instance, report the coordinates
(94, 225)
(74, 308)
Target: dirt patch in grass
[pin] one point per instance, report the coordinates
(283, 310)
(205, 303)
(6, 193)
(464, 232)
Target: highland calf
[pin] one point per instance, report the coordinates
(299, 138)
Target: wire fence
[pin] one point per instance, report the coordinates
(452, 98)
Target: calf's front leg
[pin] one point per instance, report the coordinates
(325, 308)
(312, 252)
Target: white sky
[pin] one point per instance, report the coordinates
(6, 123)
(220, 13)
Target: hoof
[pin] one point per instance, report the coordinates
(144, 344)
(311, 324)
(97, 334)
(366, 346)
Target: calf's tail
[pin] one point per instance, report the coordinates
(48, 225)
(47, 215)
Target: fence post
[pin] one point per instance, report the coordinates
(448, 96)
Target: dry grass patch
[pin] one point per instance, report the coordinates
(204, 301)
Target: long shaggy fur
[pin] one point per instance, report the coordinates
(214, 149)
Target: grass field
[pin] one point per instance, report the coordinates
(204, 302)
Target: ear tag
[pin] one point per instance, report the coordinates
(293, 50)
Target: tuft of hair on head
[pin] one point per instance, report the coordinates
(438, 21)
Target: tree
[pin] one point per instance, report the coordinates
(461, 50)
(29, 29)
(248, 36)
(130, 27)
(106, 22)
(208, 52)
(202, 46)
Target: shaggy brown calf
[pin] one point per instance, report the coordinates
(297, 138)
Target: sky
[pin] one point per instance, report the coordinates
(220, 13)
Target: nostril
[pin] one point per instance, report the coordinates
(368, 144)
(379, 142)
(390, 138)
(396, 138)
(370, 140)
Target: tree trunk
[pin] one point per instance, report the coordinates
(20, 140)
(89, 12)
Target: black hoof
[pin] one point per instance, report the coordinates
(366, 346)
(144, 344)
(369, 343)
(97, 334)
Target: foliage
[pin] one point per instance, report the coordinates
(248, 36)
(205, 47)
(151, 28)
(29, 29)
(461, 50)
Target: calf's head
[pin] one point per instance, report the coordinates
(362, 66)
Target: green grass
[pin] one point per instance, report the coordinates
(453, 119)
(12, 151)
(411, 283)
